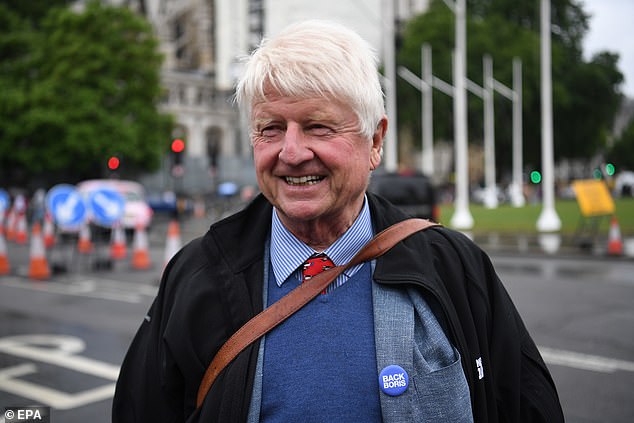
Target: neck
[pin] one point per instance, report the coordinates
(322, 232)
(319, 236)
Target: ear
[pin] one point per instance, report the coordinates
(377, 143)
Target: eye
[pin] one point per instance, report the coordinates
(270, 131)
(318, 129)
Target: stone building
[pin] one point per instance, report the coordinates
(203, 42)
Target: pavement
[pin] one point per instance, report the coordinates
(63, 257)
(494, 243)
(553, 244)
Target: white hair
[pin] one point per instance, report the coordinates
(316, 59)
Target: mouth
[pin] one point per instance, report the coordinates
(303, 180)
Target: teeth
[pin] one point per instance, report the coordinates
(303, 180)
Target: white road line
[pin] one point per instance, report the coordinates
(63, 351)
(89, 288)
(58, 350)
(46, 395)
(582, 361)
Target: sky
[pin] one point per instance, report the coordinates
(612, 28)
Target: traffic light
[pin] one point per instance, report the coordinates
(113, 163)
(178, 148)
(536, 177)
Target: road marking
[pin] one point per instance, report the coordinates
(58, 350)
(63, 350)
(90, 288)
(582, 361)
(60, 400)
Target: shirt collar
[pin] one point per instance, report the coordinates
(288, 253)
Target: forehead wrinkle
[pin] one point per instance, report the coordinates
(266, 111)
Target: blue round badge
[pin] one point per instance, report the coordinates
(393, 380)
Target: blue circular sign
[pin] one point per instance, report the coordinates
(5, 200)
(107, 206)
(393, 380)
(66, 205)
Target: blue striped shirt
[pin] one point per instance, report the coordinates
(289, 253)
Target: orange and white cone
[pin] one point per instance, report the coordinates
(199, 208)
(38, 267)
(140, 253)
(10, 224)
(84, 242)
(21, 235)
(118, 248)
(49, 231)
(615, 243)
(173, 242)
(5, 267)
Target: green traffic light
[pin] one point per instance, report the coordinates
(536, 177)
(610, 169)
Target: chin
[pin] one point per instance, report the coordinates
(300, 210)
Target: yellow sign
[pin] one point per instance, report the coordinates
(593, 197)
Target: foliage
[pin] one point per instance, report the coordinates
(585, 94)
(33, 11)
(622, 152)
(80, 87)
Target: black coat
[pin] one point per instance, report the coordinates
(214, 285)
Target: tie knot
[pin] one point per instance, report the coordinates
(315, 265)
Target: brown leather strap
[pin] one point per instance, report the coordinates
(279, 311)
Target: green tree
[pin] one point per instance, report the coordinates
(622, 152)
(33, 11)
(83, 86)
(585, 94)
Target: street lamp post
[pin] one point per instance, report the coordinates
(425, 86)
(548, 220)
(461, 218)
(389, 63)
(517, 196)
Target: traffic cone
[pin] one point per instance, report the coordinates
(49, 231)
(5, 268)
(84, 242)
(118, 248)
(21, 236)
(140, 253)
(11, 221)
(615, 243)
(173, 243)
(38, 267)
(199, 208)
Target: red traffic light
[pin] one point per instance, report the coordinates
(178, 146)
(113, 163)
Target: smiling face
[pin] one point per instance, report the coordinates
(312, 163)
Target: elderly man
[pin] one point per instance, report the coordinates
(426, 332)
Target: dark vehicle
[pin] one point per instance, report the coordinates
(413, 193)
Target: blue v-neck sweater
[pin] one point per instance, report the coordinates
(320, 364)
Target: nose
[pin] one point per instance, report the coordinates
(295, 148)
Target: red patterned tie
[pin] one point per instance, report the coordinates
(315, 265)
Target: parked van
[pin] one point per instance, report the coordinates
(136, 209)
(412, 192)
